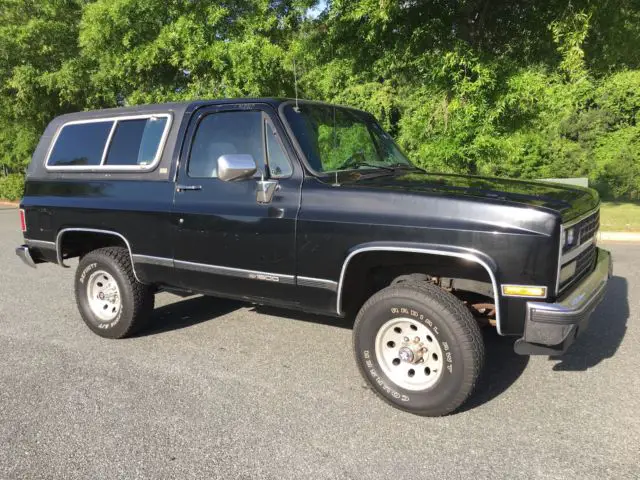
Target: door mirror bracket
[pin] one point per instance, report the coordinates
(266, 189)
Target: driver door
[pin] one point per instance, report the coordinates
(228, 243)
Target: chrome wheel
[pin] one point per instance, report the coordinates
(409, 354)
(103, 295)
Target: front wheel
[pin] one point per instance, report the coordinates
(111, 301)
(419, 347)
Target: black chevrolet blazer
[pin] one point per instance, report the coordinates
(313, 207)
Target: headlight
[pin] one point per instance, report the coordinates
(569, 237)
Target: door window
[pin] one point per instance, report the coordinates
(223, 134)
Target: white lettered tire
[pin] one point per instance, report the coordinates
(111, 301)
(419, 348)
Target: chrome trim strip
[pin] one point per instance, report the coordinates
(581, 217)
(523, 296)
(465, 256)
(571, 254)
(92, 230)
(102, 167)
(562, 260)
(151, 260)
(560, 247)
(317, 283)
(235, 272)
(107, 143)
(41, 243)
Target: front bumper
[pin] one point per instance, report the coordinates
(550, 328)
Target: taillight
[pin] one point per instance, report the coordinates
(23, 222)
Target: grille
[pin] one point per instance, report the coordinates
(584, 264)
(586, 229)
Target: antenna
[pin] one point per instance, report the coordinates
(336, 183)
(295, 82)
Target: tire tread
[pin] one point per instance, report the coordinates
(468, 334)
(142, 295)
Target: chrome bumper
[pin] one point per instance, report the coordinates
(23, 252)
(550, 328)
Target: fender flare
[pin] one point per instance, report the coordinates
(92, 230)
(469, 254)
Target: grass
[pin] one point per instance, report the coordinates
(620, 217)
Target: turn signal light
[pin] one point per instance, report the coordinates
(523, 291)
(23, 222)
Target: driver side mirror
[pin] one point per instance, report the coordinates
(236, 166)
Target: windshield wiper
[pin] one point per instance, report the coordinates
(373, 165)
(402, 165)
(352, 165)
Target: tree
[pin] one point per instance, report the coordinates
(501, 87)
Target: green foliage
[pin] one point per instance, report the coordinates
(507, 88)
(11, 186)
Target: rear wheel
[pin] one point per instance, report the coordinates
(419, 348)
(111, 301)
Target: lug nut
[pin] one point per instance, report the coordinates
(416, 340)
(406, 339)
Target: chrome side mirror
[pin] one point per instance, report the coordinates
(236, 166)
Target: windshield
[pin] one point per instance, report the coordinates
(334, 138)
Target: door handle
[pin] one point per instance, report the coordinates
(182, 188)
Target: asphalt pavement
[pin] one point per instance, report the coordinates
(218, 389)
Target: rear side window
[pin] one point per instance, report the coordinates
(80, 145)
(135, 142)
(121, 143)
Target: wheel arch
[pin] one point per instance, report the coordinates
(469, 254)
(122, 240)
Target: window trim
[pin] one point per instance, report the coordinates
(268, 123)
(111, 168)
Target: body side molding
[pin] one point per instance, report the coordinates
(442, 250)
(235, 272)
(317, 283)
(45, 244)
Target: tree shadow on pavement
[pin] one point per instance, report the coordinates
(187, 312)
(502, 368)
(607, 327)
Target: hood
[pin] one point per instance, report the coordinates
(568, 201)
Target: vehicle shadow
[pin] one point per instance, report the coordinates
(346, 323)
(502, 365)
(502, 368)
(607, 328)
(187, 312)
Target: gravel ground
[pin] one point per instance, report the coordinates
(223, 390)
